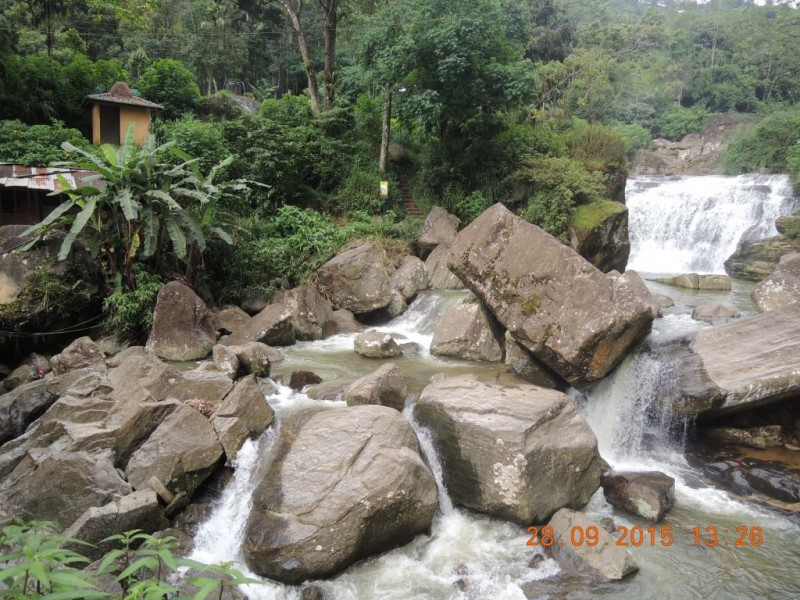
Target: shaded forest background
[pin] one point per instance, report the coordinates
(539, 104)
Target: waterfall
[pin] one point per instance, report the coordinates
(429, 452)
(694, 224)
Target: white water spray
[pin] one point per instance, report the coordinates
(694, 224)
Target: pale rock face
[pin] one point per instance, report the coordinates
(518, 452)
(782, 287)
(356, 279)
(440, 227)
(469, 332)
(181, 326)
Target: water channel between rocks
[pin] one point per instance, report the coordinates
(471, 556)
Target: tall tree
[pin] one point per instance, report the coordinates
(331, 10)
(294, 17)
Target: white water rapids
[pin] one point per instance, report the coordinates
(693, 224)
(469, 556)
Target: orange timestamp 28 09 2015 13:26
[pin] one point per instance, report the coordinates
(709, 536)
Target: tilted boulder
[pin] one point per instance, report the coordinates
(569, 315)
(356, 279)
(756, 260)
(516, 452)
(243, 414)
(605, 561)
(386, 386)
(440, 227)
(298, 314)
(228, 319)
(713, 312)
(469, 332)
(181, 453)
(256, 358)
(410, 277)
(226, 360)
(348, 484)
(648, 494)
(345, 322)
(440, 277)
(375, 344)
(782, 287)
(181, 327)
(740, 365)
(83, 352)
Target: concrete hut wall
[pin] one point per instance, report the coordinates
(139, 116)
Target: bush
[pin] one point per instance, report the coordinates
(470, 206)
(595, 143)
(202, 140)
(130, 312)
(635, 136)
(677, 122)
(170, 84)
(360, 190)
(793, 165)
(551, 210)
(36, 145)
(765, 146)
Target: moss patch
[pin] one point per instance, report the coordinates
(589, 216)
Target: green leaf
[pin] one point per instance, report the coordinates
(223, 235)
(76, 595)
(130, 208)
(49, 219)
(80, 222)
(109, 558)
(178, 238)
(38, 571)
(148, 562)
(151, 228)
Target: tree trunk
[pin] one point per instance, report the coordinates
(294, 16)
(331, 8)
(386, 129)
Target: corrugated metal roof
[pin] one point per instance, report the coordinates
(46, 178)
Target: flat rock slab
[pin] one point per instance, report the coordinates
(518, 452)
(604, 562)
(693, 281)
(562, 309)
(741, 365)
(345, 484)
(647, 494)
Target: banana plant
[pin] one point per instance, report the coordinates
(140, 206)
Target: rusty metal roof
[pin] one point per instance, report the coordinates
(46, 178)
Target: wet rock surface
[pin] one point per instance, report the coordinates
(646, 494)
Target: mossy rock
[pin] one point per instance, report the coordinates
(599, 233)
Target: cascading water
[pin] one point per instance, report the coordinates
(693, 224)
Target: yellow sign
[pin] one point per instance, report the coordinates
(384, 189)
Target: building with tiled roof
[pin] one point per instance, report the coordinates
(115, 110)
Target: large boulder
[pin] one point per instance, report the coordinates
(181, 327)
(782, 287)
(348, 484)
(345, 322)
(138, 510)
(312, 315)
(227, 319)
(516, 452)
(604, 561)
(61, 487)
(756, 260)
(375, 344)
(648, 494)
(568, 314)
(83, 352)
(386, 387)
(440, 227)
(740, 365)
(469, 332)
(693, 281)
(410, 277)
(181, 453)
(21, 406)
(713, 312)
(38, 292)
(599, 233)
(440, 277)
(356, 279)
(256, 358)
(243, 414)
(768, 436)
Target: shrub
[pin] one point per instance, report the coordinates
(551, 210)
(470, 206)
(202, 140)
(360, 190)
(677, 121)
(37, 145)
(130, 312)
(595, 143)
(765, 146)
(635, 136)
(170, 84)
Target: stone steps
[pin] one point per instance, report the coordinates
(409, 205)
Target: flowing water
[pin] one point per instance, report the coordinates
(469, 556)
(693, 224)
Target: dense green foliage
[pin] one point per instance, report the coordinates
(765, 146)
(36, 145)
(39, 563)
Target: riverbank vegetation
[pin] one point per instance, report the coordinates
(539, 104)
